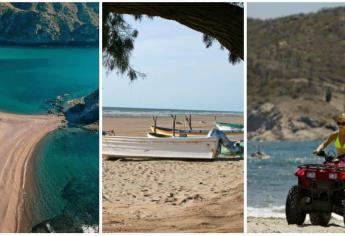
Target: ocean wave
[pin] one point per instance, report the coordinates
(90, 228)
(111, 112)
(266, 212)
(275, 212)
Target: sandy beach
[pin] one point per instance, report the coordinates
(279, 225)
(18, 138)
(171, 195)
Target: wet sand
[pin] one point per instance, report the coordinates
(279, 225)
(170, 195)
(18, 138)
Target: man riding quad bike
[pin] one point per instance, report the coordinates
(319, 193)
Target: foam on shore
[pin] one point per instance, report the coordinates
(275, 212)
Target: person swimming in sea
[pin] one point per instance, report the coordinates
(337, 136)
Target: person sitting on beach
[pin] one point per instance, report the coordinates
(338, 137)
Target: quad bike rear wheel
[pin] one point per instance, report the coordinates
(294, 213)
(320, 218)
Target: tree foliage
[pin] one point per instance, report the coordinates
(119, 36)
(118, 44)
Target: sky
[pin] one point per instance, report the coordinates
(181, 72)
(270, 10)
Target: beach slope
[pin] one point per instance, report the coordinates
(18, 138)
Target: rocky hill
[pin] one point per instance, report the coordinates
(48, 23)
(296, 75)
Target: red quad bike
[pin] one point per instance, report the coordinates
(320, 191)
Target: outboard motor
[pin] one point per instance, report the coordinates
(232, 146)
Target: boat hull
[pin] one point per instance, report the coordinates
(155, 135)
(181, 148)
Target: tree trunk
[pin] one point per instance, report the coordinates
(223, 21)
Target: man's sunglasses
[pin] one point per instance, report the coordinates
(341, 123)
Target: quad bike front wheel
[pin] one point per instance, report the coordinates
(320, 218)
(294, 213)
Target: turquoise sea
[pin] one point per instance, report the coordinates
(66, 164)
(30, 77)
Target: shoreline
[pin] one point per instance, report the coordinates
(279, 225)
(18, 139)
(31, 212)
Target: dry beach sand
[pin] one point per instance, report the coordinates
(18, 138)
(279, 225)
(139, 126)
(170, 195)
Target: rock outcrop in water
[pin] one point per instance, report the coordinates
(84, 111)
(296, 75)
(49, 23)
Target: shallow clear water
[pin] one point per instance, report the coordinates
(270, 180)
(67, 178)
(29, 76)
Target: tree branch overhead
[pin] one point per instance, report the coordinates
(222, 21)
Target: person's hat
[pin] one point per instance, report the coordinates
(340, 117)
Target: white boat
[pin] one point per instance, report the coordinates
(183, 148)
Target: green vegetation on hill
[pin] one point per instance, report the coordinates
(296, 59)
(48, 23)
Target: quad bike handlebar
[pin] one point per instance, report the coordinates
(329, 157)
